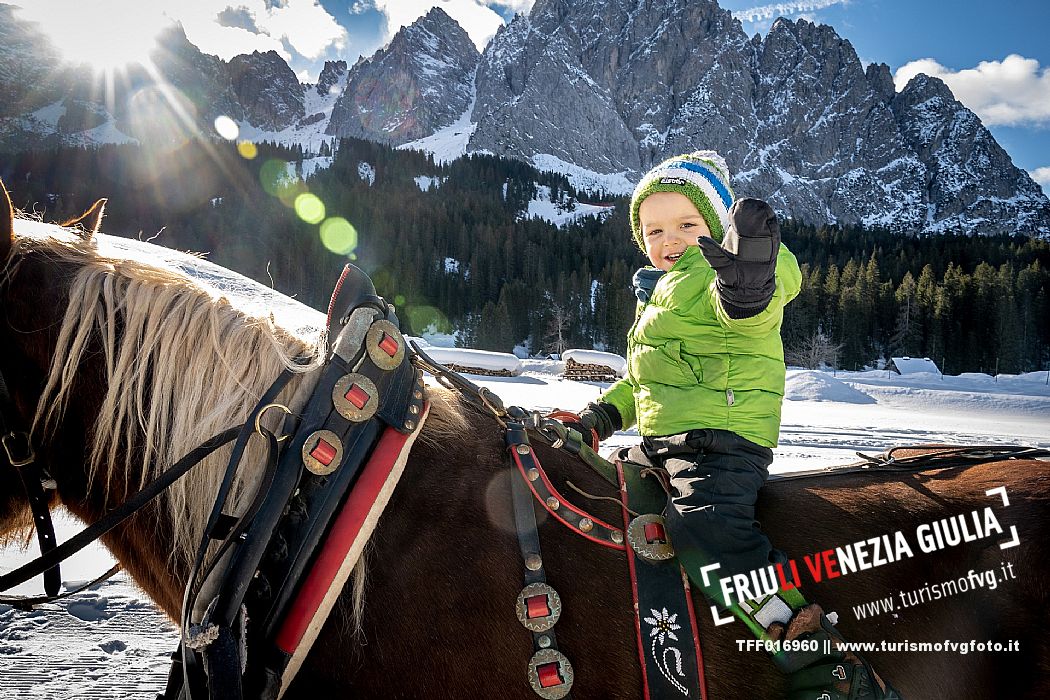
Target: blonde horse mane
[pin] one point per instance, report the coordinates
(181, 365)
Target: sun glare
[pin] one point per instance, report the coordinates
(101, 33)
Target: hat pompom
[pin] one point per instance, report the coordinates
(712, 157)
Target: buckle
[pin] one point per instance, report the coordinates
(29, 456)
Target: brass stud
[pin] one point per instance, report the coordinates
(522, 449)
(413, 409)
(616, 537)
(533, 562)
(533, 474)
(586, 525)
(553, 503)
(544, 641)
(417, 395)
(409, 425)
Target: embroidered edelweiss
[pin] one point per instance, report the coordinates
(663, 624)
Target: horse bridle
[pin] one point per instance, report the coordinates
(37, 482)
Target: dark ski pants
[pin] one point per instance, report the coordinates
(715, 477)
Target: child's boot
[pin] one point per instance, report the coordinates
(829, 672)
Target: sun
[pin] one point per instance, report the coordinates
(105, 34)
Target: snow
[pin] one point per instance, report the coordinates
(818, 386)
(311, 136)
(49, 115)
(366, 172)
(559, 213)
(107, 133)
(584, 180)
(425, 182)
(479, 359)
(449, 143)
(594, 357)
(312, 165)
(912, 365)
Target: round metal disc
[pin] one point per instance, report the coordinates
(543, 657)
(344, 406)
(377, 332)
(314, 464)
(538, 624)
(650, 551)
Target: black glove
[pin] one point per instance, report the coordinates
(746, 260)
(602, 417)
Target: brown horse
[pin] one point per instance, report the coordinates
(122, 364)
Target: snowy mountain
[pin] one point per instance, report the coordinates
(617, 86)
(597, 89)
(420, 82)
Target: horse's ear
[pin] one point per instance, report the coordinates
(91, 220)
(7, 224)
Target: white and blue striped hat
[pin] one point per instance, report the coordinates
(702, 176)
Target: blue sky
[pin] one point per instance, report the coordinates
(995, 56)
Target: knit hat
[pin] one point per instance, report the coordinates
(702, 176)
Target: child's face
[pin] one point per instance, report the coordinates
(670, 224)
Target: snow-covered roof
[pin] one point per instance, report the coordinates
(480, 359)
(595, 357)
(912, 365)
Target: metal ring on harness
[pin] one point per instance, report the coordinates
(258, 416)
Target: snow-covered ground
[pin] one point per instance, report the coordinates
(111, 643)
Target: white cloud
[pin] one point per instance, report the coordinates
(783, 9)
(307, 27)
(1011, 92)
(522, 6)
(477, 19)
(305, 24)
(1042, 176)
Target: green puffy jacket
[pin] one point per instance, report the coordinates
(691, 366)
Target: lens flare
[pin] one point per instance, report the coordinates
(273, 175)
(339, 235)
(426, 319)
(310, 208)
(248, 150)
(227, 128)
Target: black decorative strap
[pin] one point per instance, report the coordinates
(667, 632)
(550, 673)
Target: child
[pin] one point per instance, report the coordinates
(705, 378)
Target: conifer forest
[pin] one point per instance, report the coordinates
(457, 254)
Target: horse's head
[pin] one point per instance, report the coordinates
(31, 308)
(15, 517)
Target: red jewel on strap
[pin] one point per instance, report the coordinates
(323, 453)
(654, 532)
(357, 396)
(548, 675)
(389, 345)
(537, 606)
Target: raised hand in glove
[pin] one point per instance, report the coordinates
(603, 418)
(746, 259)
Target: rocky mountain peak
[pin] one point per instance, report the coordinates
(616, 85)
(331, 74)
(880, 80)
(267, 89)
(420, 82)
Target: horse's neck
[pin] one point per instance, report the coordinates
(143, 545)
